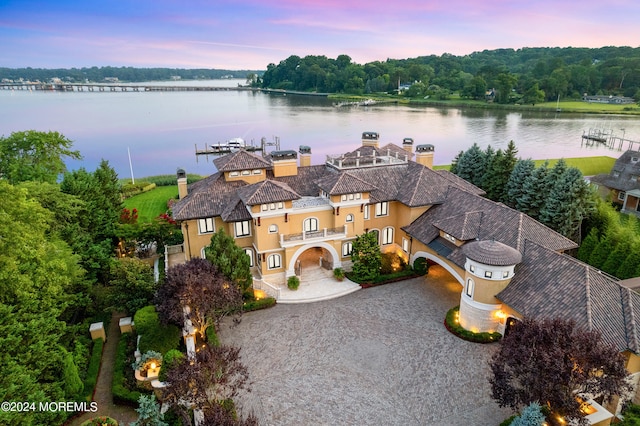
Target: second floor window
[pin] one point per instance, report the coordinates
(205, 226)
(310, 225)
(242, 229)
(382, 209)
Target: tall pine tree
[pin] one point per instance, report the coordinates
(515, 185)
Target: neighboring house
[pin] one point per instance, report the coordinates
(622, 184)
(608, 99)
(508, 265)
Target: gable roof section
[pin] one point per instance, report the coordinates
(343, 183)
(235, 211)
(240, 160)
(207, 198)
(267, 191)
(626, 170)
(464, 227)
(547, 284)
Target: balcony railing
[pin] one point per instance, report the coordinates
(326, 233)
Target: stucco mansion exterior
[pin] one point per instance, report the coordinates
(280, 206)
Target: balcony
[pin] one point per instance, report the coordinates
(326, 234)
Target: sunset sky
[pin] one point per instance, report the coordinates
(250, 34)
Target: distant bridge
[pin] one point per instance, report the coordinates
(114, 87)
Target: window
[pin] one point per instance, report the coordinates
(272, 206)
(257, 172)
(281, 205)
(347, 249)
(351, 196)
(274, 261)
(469, 289)
(310, 225)
(387, 235)
(349, 218)
(366, 212)
(205, 226)
(488, 274)
(242, 228)
(621, 195)
(634, 159)
(273, 229)
(264, 207)
(382, 209)
(246, 172)
(249, 253)
(344, 197)
(358, 196)
(405, 245)
(472, 268)
(234, 174)
(505, 274)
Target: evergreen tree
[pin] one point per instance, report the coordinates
(366, 257)
(616, 258)
(515, 185)
(230, 260)
(601, 252)
(506, 167)
(630, 266)
(471, 165)
(454, 164)
(496, 177)
(533, 193)
(531, 416)
(149, 412)
(588, 245)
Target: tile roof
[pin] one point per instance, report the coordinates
(207, 198)
(463, 227)
(547, 284)
(235, 211)
(267, 191)
(490, 252)
(343, 183)
(240, 160)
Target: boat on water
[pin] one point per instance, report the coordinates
(232, 144)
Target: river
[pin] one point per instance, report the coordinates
(162, 129)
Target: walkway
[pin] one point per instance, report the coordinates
(377, 356)
(123, 414)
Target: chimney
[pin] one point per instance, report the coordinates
(305, 156)
(424, 155)
(407, 145)
(285, 163)
(370, 139)
(182, 183)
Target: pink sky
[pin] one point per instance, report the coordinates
(250, 34)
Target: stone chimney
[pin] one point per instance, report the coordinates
(285, 163)
(182, 183)
(370, 139)
(305, 156)
(407, 145)
(424, 155)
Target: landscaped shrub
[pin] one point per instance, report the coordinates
(212, 336)
(421, 266)
(256, 305)
(452, 325)
(122, 390)
(293, 283)
(171, 359)
(392, 263)
(153, 335)
(93, 369)
(145, 361)
(101, 421)
(338, 273)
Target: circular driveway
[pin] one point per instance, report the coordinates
(379, 356)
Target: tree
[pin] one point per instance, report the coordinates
(533, 95)
(34, 156)
(531, 416)
(216, 375)
(366, 257)
(199, 285)
(629, 267)
(454, 163)
(471, 166)
(131, 284)
(588, 245)
(230, 260)
(515, 185)
(149, 412)
(552, 360)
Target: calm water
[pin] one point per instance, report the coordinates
(162, 129)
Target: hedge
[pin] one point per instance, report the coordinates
(455, 328)
(255, 305)
(153, 335)
(122, 395)
(93, 369)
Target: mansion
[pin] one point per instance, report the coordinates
(280, 207)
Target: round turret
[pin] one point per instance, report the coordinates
(493, 253)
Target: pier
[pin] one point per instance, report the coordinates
(607, 138)
(115, 87)
(227, 147)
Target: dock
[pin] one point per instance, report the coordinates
(226, 148)
(607, 138)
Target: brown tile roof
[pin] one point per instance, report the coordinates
(464, 227)
(240, 160)
(235, 211)
(490, 252)
(547, 284)
(343, 183)
(207, 198)
(624, 174)
(267, 191)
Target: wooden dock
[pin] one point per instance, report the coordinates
(225, 148)
(607, 138)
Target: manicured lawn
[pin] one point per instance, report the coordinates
(589, 166)
(152, 203)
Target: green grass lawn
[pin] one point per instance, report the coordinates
(152, 203)
(589, 166)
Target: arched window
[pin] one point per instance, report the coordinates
(347, 249)
(387, 235)
(310, 225)
(349, 218)
(469, 289)
(249, 252)
(274, 261)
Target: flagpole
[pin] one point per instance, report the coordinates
(133, 181)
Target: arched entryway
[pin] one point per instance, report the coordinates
(312, 259)
(510, 323)
(433, 258)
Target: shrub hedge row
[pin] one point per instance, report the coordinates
(93, 369)
(131, 189)
(122, 395)
(255, 305)
(455, 328)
